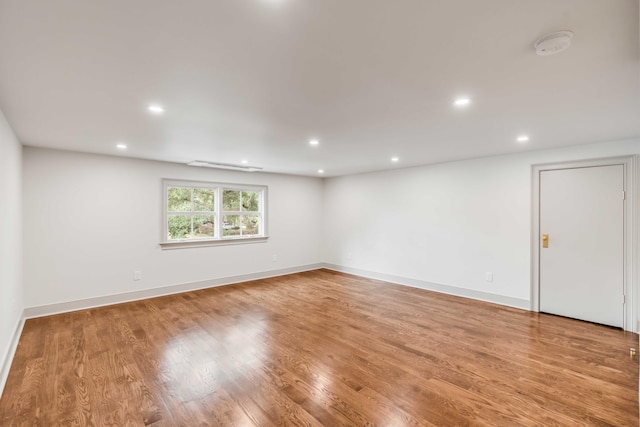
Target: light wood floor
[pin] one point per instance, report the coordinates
(319, 348)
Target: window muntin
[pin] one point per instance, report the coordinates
(200, 211)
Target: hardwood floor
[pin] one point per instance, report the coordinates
(318, 348)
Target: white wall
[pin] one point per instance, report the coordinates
(448, 223)
(91, 220)
(10, 243)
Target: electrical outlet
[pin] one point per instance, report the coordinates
(349, 255)
(137, 275)
(488, 276)
(275, 258)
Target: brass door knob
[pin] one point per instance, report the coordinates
(545, 240)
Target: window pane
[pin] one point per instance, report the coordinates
(179, 199)
(203, 199)
(203, 226)
(231, 200)
(179, 227)
(250, 200)
(250, 225)
(231, 225)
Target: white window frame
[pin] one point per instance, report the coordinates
(218, 214)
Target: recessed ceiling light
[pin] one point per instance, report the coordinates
(121, 146)
(462, 102)
(314, 142)
(523, 138)
(395, 159)
(244, 162)
(320, 171)
(156, 109)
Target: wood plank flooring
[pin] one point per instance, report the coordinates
(318, 348)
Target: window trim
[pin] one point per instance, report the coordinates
(218, 213)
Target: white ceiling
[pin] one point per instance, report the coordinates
(371, 79)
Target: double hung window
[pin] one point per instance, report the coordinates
(209, 212)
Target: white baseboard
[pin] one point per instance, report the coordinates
(437, 287)
(83, 304)
(11, 352)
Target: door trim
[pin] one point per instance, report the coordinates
(630, 322)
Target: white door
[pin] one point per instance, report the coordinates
(581, 270)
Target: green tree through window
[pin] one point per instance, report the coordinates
(241, 210)
(191, 213)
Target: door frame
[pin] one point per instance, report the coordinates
(630, 322)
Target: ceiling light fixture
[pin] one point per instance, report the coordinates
(553, 43)
(121, 146)
(523, 138)
(320, 171)
(314, 142)
(462, 102)
(395, 159)
(230, 166)
(156, 109)
(244, 162)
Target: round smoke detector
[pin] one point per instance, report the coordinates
(553, 43)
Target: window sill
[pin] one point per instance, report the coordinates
(184, 244)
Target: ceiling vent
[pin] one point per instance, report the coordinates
(229, 166)
(553, 43)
